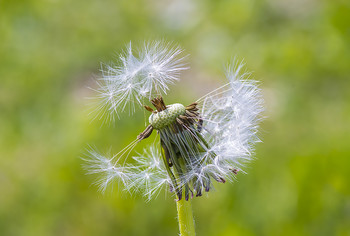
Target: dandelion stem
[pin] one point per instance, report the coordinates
(185, 217)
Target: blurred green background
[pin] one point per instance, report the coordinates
(51, 50)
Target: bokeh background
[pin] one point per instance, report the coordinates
(50, 52)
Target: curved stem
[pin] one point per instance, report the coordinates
(185, 217)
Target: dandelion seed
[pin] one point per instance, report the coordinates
(135, 78)
(207, 141)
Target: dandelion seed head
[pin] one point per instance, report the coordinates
(209, 140)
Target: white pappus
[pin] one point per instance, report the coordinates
(210, 139)
(137, 77)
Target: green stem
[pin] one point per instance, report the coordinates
(185, 217)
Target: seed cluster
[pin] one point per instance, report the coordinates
(206, 141)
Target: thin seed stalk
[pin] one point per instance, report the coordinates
(185, 217)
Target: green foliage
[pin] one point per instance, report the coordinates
(49, 52)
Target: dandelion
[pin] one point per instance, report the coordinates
(209, 140)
